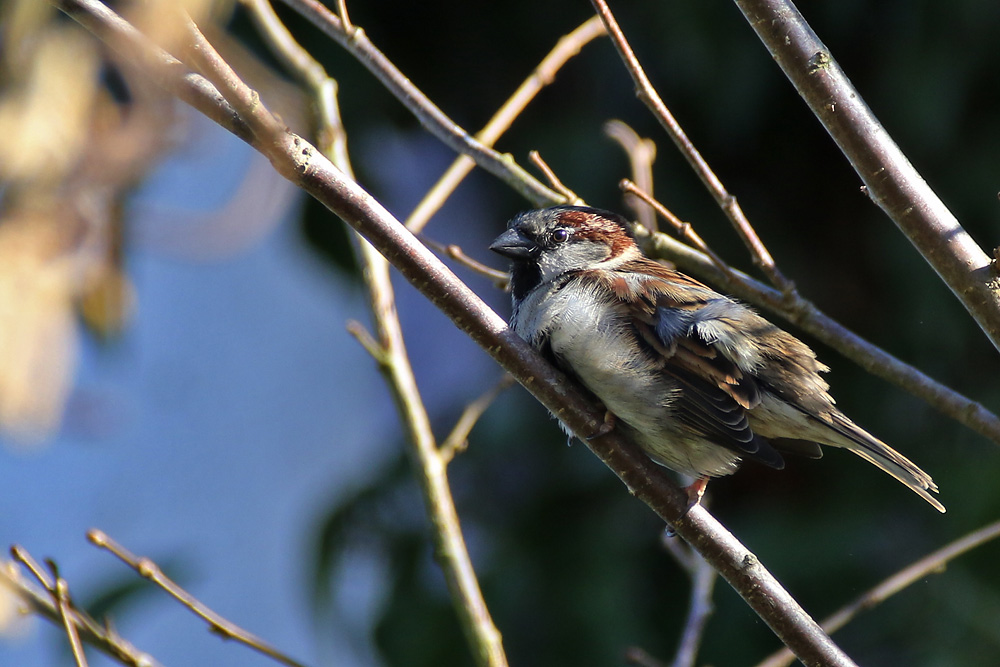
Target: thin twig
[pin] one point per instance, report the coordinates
(458, 439)
(389, 350)
(148, 569)
(889, 178)
(43, 603)
(932, 563)
(641, 155)
(429, 115)
(567, 47)
(568, 195)
(455, 252)
(700, 607)
(65, 608)
(684, 229)
(647, 93)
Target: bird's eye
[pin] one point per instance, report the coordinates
(560, 235)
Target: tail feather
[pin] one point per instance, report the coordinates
(885, 457)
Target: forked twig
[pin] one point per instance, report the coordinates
(148, 569)
(43, 602)
(647, 93)
(458, 439)
(930, 564)
(684, 229)
(567, 47)
(554, 182)
(641, 154)
(429, 115)
(700, 607)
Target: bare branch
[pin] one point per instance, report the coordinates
(429, 115)
(457, 440)
(42, 602)
(569, 196)
(889, 178)
(148, 569)
(649, 96)
(455, 252)
(641, 154)
(683, 229)
(389, 350)
(930, 564)
(567, 47)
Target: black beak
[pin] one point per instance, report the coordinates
(514, 245)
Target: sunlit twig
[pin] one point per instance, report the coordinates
(43, 602)
(458, 439)
(684, 229)
(455, 252)
(554, 182)
(641, 154)
(647, 93)
(148, 569)
(930, 564)
(65, 607)
(567, 47)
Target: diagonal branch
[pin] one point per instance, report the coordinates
(929, 564)
(389, 351)
(889, 178)
(430, 116)
(146, 568)
(567, 47)
(726, 201)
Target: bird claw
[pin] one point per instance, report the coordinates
(695, 491)
(607, 426)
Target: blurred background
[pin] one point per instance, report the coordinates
(175, 369)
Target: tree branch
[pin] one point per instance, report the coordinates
(889, 178)
(43, 603)
(389, 351)
(430, 116)
(146, 568)
(726, 201)
(929, 564)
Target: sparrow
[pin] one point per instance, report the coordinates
(698, 380)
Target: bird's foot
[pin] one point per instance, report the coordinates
(607, 426)
(695, 491)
